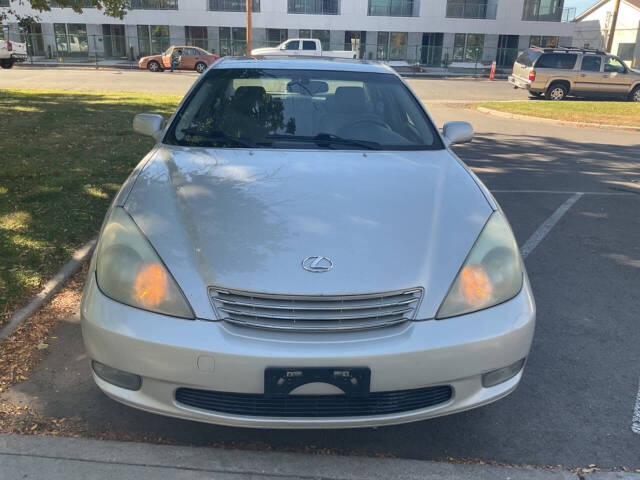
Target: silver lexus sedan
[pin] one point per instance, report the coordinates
(302, 249)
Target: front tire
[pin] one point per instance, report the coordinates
(201, 67)
(635, 94)
(556, 92)
(153, 66)
(6, 64)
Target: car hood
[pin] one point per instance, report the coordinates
(247, 219)
(150, 57)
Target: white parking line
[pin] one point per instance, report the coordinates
(541, 232)
(635, 421)
(563, 192)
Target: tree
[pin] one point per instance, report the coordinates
(112, 8)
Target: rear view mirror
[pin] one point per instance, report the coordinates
(457, 132)
(148, 124)
(311, 87)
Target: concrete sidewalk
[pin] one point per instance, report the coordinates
(56, 458)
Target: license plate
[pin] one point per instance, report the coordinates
(281, 381)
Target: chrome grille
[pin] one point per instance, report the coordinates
(315, 313)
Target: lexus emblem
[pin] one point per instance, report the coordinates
(317, 264)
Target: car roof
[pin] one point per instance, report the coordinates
(343, 65)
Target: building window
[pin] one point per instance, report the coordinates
(356, 41)
(314, 7)
(275, 36)
(431, 49)
(80, 3)
(392, 8)
(71, 39)
(471, 9)
(114, 41)
(543, 10)
(542, 41)
(233, 40)
(392, 46)
(322, 35)
(154, 4)
(232, 5)
(507, 50)
(197, 37)
(153, 39)
(4, 3)
(468, 47)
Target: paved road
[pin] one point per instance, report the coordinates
(89, 79)
(575, 405)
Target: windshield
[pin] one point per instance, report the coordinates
(265, 108)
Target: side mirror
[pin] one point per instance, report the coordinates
(148, 124)
(457, 132)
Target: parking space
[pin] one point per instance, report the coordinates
(575, 406)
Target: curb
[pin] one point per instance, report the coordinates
(86, 458)
(552, 121)
(51, 287)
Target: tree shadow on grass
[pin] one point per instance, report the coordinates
(62, 158)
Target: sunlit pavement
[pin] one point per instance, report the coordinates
(576, 403)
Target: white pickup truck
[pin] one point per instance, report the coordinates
(302, 47)
(12, 52)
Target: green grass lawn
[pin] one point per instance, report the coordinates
(63, 156)
(609, 113)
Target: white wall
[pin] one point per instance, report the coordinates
(353, 17)
(594, 28)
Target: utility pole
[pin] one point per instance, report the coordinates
(249, 35)
(612, 30)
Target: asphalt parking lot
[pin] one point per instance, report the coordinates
(572, 196)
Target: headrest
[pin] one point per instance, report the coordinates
(349, 99)
(249, 92)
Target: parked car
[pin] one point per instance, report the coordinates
(11, 53)
(302, 249)
(559, 72)
(193, 58)
(302, 47)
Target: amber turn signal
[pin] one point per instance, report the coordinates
(475, 285)
(151, 285)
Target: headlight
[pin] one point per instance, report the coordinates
(130, 271)
(491, 274)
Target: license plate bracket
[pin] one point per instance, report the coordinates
(281, 381)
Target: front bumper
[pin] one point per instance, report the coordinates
(170, 353)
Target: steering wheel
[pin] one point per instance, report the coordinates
(368, 121)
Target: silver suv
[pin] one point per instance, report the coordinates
(558, 72)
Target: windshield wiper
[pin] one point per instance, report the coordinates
(326, 139)
(219, 136)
